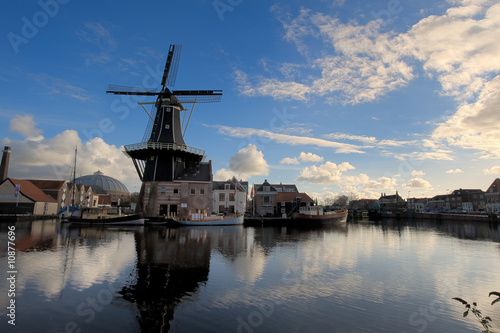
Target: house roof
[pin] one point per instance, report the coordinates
(45, 184)
(31, 191)
(494, 187)
(291, 197)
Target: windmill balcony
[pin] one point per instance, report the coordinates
(163, 146)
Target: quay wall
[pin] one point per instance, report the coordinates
(452, 217)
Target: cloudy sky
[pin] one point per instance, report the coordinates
(338, 97)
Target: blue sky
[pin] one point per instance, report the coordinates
(338, 97)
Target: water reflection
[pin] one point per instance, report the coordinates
(363, 276)
(172, 263)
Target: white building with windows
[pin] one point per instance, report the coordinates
(229, 197)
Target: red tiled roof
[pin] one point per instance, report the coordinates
(44, 184)
(29, 189)
(494, 187)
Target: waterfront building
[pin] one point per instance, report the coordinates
(265, 199)
(361, 204)
(288, 202)
(492, 197)
(229, 196)
(23, 197)
(278, 199)
(57, 189)
(466, 199)
(391, 202)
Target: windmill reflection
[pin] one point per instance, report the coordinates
(172, 263)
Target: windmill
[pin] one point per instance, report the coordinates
(164, 156)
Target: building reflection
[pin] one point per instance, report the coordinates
(172, 263)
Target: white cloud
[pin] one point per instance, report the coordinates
(288, 160)
(341, 136)
(224, 174)
(453, 171)
(493, 170)
(241, 132)
(417, 173)
(328, 173)
(380, 183)
(438, 154)
(475, 125)
(26, 126)
(418, 183)
(53, 158)
(310, 157)
(460, 47)
(245, 163)
(304, 157)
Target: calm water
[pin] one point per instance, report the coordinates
(365, 277)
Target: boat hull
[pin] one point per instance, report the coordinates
(333, 218)
(236, 220)
(118, 220)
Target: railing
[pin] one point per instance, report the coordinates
(164, 146)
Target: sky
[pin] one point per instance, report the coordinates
(338, 97)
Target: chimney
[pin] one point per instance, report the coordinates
(4, 167)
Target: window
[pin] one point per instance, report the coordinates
(193, 191)
(267, 188)
(162, 190)
(222, 197)
(202, 191)
(227, 186)
(176, 190)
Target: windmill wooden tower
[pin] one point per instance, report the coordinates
(175, 177)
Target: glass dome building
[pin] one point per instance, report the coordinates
(112, 186)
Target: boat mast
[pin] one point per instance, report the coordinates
(74, 181)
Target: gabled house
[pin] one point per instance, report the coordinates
(278, 199)
(23, 197)
(391, 202)
(226, 199)
(492, 197)
(265, 199)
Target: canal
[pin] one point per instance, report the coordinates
(386, 276)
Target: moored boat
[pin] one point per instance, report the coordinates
(202, 219)
(94, 216)
(318, 215)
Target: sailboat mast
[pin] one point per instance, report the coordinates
(74, 181)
